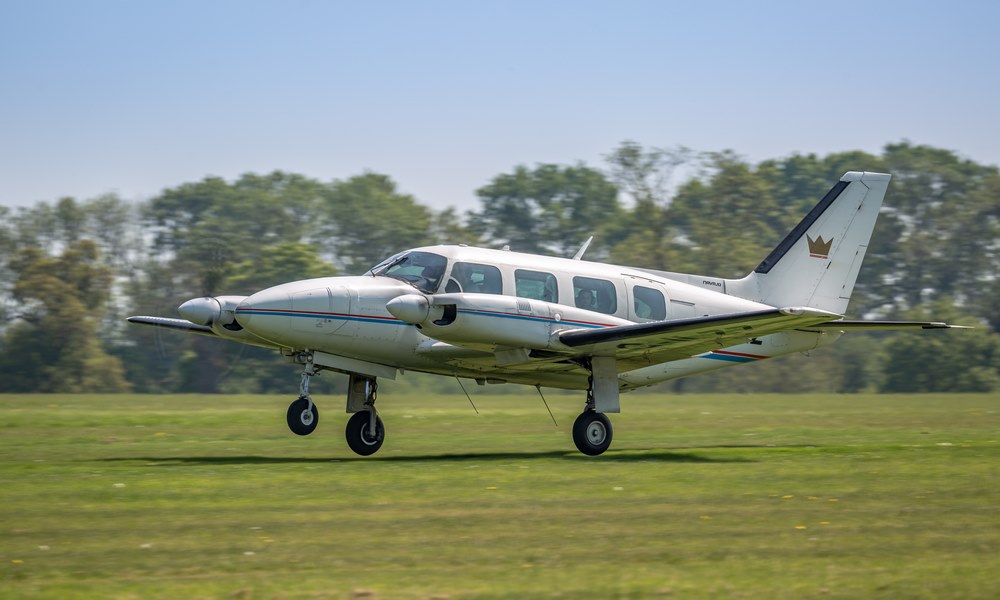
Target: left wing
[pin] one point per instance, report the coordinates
(661, 341)
(241, 335)
(179, 324)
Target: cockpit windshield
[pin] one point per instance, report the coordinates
(422, 270)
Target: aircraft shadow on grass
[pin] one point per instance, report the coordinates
(625, 456)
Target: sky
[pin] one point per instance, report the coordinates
(133, 97)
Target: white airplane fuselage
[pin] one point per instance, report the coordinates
(500, 335)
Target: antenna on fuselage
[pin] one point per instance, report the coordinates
(460, 384)
(538, 387)
(583, 248)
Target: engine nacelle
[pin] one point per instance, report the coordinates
(489, 320)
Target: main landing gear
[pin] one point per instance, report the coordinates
(592, 431)
(365, 431)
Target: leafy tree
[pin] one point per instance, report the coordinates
(70, 219)
(54, 347)
(449, 227)
(644, 235)
(276, 264)
(943, 361)
(726, 224)
(946, 212)
(548, 209)
(208, 226)
(366, 219)
(7, 246)
(112, 223)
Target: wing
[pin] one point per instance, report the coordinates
(179, 324)
(242, 336)
(661, 341)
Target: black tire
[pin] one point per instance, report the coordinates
(300, 420)
(358, 437)
(592, 433)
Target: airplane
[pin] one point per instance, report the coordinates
(498, 316)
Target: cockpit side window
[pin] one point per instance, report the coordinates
(422, 270)
(476, 278)
(595, 294)
(536, 285)
(649, 303)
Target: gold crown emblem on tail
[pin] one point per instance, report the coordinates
(818, 248)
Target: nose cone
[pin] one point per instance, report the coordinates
(409, 308)
(201, 311)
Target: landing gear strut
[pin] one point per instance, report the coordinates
(592, 432)
(365, 431)
(303, 416)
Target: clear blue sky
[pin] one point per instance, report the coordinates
(136, 96)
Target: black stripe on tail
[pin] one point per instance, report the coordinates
(790, 239)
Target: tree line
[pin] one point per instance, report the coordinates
(72, 270)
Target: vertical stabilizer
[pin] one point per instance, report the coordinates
(817, 264)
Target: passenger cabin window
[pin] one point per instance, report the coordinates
(422, 270)
(595, 294)
(474, 278)
(536, 285)
(649, 303)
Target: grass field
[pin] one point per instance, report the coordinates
(700, 496)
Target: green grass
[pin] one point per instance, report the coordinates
(700, 496)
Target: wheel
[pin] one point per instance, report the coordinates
(592, 432)
(359, 437)
(301, 420)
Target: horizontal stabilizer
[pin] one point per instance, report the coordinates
(845, 325)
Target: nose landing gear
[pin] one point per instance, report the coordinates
(303, 416)
(365, 431)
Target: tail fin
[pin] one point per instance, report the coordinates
(817, 264)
